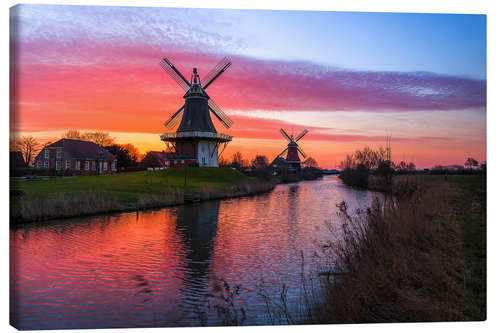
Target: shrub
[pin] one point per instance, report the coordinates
(356, 177)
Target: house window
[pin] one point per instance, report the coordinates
(58, 152)
(203, 160)
(68, 164)
(47, 153)
(87, 165)
(93, 165)
(46, 164)
(175, 161)
(114, 165)
(168, 163)
(105, 165)
(39, 164)
(77, 165)
(58, 165)
(182, 161)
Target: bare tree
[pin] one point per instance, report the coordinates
(223, 162)
(73, 134)
(100, 138)
(310, 163)
(369, 158)
(132, 150)
(470, 163)
(239, 161)
(29, 147)
(260, 161)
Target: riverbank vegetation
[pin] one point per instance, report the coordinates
(373, 169)
(419, 255)
(59, 197)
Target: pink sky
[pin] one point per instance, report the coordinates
(82, 78)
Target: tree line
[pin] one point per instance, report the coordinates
(359, 165)
(237, 161)
(128, 155)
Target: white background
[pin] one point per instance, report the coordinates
(422, 6)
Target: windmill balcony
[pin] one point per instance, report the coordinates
(196, 134)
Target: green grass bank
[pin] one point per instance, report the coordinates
(61, 197)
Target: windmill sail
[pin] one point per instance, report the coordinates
(215, 72)
(285, 135)
(175, 119)
(304, 132)
(195, 113)
(216, 110)
(302, 152)
(283, 152)
(175, 74)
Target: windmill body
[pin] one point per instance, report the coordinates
(292, 150)
(292, 155)
(196, 140)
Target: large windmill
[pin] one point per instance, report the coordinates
(292, 149)
(196, 140)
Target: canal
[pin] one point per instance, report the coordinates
(165, 267)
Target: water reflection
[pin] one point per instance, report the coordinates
(197, 226)
(155, 268)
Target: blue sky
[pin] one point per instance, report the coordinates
(439, 43)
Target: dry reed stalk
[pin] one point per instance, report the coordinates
(402, 260)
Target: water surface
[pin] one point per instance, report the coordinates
(159, 267)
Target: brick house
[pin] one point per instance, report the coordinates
(76, 157)
(160, 159)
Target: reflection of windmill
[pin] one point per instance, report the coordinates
(292, 149)
(196, 139)
(197, 226)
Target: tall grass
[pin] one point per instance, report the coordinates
(64, 206)
(400, 261)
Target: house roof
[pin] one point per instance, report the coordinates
(279, 160)
(163, 156)
(80, 149)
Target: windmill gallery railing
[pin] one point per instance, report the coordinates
(198, 134)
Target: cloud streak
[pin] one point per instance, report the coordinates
(98, 68)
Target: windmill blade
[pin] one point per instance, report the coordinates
(304, 132)
(282, 131)
(175, 119)
(175, 74)
(300, 151)
(215, 73)
(283, 151)
(216, 110)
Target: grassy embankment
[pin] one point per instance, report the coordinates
(81, 195)
(419, 257)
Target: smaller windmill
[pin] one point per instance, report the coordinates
(292, 149)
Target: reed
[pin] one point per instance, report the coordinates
(400, 261)
(63, 206)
